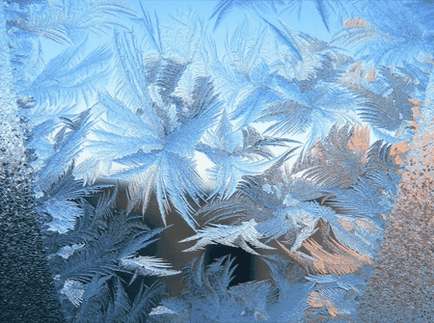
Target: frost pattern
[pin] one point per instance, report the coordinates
(307, 137)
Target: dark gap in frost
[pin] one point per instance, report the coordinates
(243, 260)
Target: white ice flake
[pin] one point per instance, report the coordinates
(232, 236)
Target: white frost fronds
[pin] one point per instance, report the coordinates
(232, 236)
(64, 214)
(305, 224)
(148, 266)
(161, 310)
(74, 290)
(68, 251)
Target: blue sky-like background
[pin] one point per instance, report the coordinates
(309, 21)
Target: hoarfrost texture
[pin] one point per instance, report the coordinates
(27, 293)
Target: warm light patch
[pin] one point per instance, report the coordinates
(416, 103)
(340, 260)
(347, 226)
(414, 124)
(318, 299)
(370, 76)
(359, 142)
(355, 23)
(416, 113)
(398, 152)
(352, 78)
(358, 74)
(368, 226)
